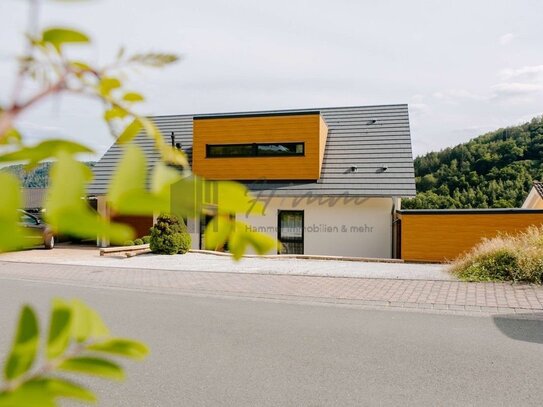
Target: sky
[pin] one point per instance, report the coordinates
(464, 67)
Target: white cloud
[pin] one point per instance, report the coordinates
(529, 72)
(516, 88)
(453, 95)
(507, 39)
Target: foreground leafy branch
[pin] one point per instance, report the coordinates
(77, 341)
(47, 63)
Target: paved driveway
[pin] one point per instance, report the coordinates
(207, 262)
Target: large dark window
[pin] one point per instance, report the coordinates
(290, 232)
(254, 150)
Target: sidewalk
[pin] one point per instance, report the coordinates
(427, 295)
(89, 256)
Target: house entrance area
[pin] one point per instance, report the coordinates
(290, 232)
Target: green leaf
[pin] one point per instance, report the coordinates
(242, 237)
(261, 242)
(57, 36)
(68, 213)
(33, 393)
(233, 197)
(130, 175)
(86, 323)
(81, 66)
(43, 151)
(25, 345)
(155, 60)
(93, 366)
(169, 154)
(98, 327)
(59, 329)
(115, 112)
(127, 193)
(12, 235)
(190, 195)
(58, 387)
(131, 131)
(163, 178)
(133, 97)
(81, 323)
(11, 136)
(107, 84)
(122, 347)
(172, 155)
(42, 392)
(217, 232)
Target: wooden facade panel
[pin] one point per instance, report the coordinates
(441, 237)
(140, 224)
(307, 128)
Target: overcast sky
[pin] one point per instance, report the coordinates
(464, 67)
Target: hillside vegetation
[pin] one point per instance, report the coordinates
(495, 170)
(37, 178)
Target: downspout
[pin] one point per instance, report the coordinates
(396, 205)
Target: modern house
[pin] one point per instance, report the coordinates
(331, 179)
(534, 200)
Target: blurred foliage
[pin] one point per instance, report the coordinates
(77, 337)
(77, 341)
(495, 170)
(135, 188)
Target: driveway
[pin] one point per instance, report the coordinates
(88, 256)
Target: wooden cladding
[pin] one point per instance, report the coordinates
(439, 237)
(309, 130)
(140, 224)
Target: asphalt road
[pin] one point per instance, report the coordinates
(211, 351)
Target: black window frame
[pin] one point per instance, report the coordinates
(254, 150)
(291, 240)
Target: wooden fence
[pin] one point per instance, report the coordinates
(442, 235)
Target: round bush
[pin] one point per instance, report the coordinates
(128, 243)
(169, 235)
(138, 242)
(146, 239)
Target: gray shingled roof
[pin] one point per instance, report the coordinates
(539, 188)
(353, 140)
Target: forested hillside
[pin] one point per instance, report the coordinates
(37, 178)
(494, 170)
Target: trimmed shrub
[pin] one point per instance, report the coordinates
(169, 236)
(128, 243)
(146, 239)
(185, 241)
(138, 242)
(504, 258)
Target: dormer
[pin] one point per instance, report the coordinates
(286, 146)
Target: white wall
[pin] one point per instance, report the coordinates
(344, 226)
(533, 200)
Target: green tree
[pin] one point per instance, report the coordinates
(496, 169)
